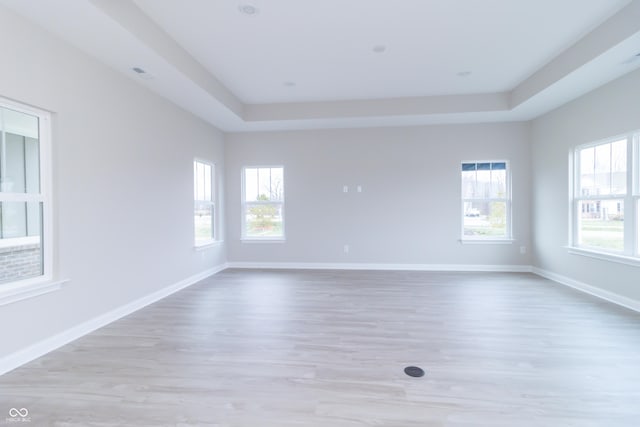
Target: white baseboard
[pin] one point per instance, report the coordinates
(47, 345)
(365, 266)
(591, 290)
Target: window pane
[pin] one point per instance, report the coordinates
(263, 220)
(14, 179)
(601, 224)
(264, 184)
(203, 220)
(19, 123)
(196, 180)
(603, 169)
(619, 167)
(469, 184)
(587, 183)
(251, 184)
(32, 165)
(21, 152)
(277, 184)
(203, 207)
(485, 219)
(14, 219)
(499, 184)
(206, 183)
(22, 173)
(20, 240)
(202, 181)
(636, 162)
(483, 183)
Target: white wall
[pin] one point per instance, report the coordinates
(123, 164)
(409, 210)
(608, 111)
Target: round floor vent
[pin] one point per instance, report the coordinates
(414, 371)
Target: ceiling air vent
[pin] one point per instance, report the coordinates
(142, 73)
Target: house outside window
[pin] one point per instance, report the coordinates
(486, 200)
(605, 199)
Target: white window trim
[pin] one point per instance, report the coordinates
(257, 239)
(635, 190)
(631, 253)
(215, 241)
(605, 256)
(23, 289)
(487, 241)
(508, 239)
(208, 245)
(251, 240)
(29, 288)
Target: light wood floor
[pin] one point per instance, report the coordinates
(328, 348)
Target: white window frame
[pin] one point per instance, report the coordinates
(631, 253)
(214, 228)
(245, 205)
(21, 289)
(507, 200)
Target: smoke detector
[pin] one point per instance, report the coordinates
(248, 9)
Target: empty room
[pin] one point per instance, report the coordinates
(283, 213)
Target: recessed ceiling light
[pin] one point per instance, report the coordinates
(464, 74)
(248, 9)
(379, 48)
(289, 84)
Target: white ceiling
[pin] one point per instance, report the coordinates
(525, 57)
(325, 46)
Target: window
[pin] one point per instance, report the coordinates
(263, 203)
(486, 201)
(204, 202)
(606, 196)
(25, 230)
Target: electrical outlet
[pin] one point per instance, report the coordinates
(346, 249)
(523, 250)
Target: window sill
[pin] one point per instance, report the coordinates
(19, 241)
(265, 240)
(486, 241)
(15, 292)
(621, 259)
(208, 245)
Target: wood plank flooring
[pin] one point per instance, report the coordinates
(328, 348)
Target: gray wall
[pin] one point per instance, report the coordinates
(608, 111)
(409, 210)
(123, 183)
